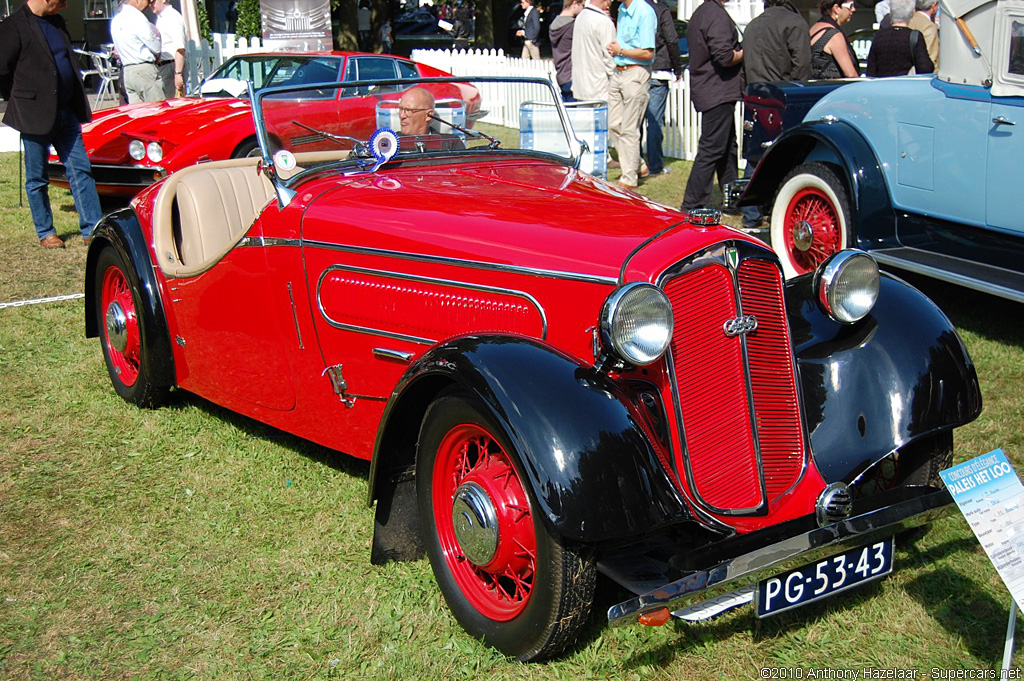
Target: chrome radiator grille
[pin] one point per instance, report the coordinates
(740, 417)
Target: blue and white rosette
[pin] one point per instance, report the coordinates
(384, 145)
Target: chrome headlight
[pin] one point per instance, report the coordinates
(137, 149)
(848, 285)
(636, 323)
(154, 153)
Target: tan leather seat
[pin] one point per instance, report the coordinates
(202, 211)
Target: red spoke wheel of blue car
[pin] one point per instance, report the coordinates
(810, 218)
(507, 579)
(120, 327)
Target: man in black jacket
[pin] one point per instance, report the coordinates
(667, 67)
(775, 47)
(715, 81)
(39, 78)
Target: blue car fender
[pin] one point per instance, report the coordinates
(839, 144)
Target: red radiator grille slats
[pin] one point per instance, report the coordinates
(779, 429)
(711, 374)
(712, 390)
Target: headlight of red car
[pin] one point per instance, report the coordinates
(139, 150)
(848, 285)
(636, 323)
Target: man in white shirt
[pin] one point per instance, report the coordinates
(592, 66)
(138, 46)
(171, 25)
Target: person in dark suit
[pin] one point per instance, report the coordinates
(46, 102)
(530, 32)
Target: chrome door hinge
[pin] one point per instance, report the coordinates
(339, 385)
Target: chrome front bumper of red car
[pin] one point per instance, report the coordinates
(112, 180)
(729, 583)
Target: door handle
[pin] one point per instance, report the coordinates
(1003, 120)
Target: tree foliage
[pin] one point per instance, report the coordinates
(250, 22)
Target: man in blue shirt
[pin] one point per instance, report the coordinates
(633, 52)
(46, 102)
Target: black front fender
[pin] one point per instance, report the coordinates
(869, 388)
(587, 463)
(120, 231)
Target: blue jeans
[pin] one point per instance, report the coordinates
(66, 138)
(655, 115)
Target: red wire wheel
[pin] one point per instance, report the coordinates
(470, 458)
(507, 579)
(122, 331)
(810, 218)
(120, 326)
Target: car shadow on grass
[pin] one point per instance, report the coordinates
(339, 461)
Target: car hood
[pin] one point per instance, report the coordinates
(167, 120)
(532, 214)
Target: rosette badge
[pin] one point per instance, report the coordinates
(384, 145)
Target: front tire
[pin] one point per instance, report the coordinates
(247, 148)
(810, 218)
(121, 335)
(506, 578)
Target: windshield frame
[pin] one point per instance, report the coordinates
(573, 144)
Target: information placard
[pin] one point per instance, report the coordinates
(991, 498)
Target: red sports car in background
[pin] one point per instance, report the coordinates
(134, 145)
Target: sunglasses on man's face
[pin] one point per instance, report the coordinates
(847, 5)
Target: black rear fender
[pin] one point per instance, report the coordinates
(120, 230)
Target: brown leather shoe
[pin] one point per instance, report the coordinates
(52, 241)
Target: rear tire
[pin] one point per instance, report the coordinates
(515, 585)
(125, 351)
(810, 218)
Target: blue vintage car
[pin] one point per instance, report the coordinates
(920, 171)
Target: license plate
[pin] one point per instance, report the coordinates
(827, 577)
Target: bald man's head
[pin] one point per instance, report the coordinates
(414, 111)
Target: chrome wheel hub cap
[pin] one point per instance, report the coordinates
(803, 236)
(117, 326)
(476, 523)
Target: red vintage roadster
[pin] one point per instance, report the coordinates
(132, 146)
(553, 377)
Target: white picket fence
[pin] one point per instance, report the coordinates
(681, 126)
(204, 57)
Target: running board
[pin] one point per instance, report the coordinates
(986, 278)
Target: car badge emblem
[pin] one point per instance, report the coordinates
(740, 325)
(732, 258)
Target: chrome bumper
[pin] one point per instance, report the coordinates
(781, 556)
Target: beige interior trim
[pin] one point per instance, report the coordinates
(203, 211)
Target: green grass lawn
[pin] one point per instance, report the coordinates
(188, 542)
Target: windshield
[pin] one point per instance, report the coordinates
(230, 80)
(360, 126)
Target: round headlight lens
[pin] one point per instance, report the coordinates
(637, 323)
(154, 153)
(848, 285)
(137, 150)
